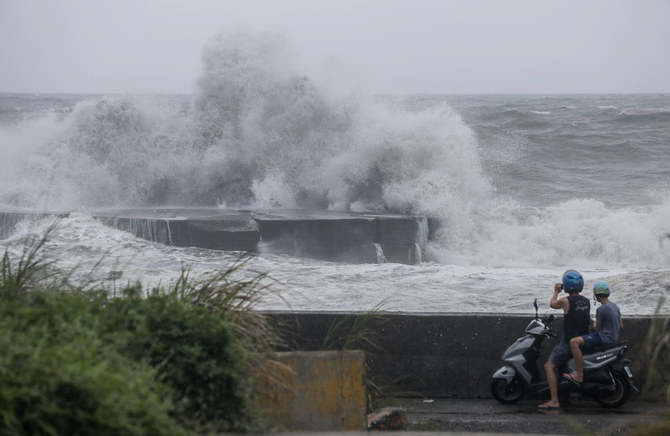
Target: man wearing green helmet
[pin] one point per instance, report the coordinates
(606, 330)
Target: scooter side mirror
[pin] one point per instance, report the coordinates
(535, 305)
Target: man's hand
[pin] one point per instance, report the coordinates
(555, 303)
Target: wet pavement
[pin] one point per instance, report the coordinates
(577, 417)
(487, 417)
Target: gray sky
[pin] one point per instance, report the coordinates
(391, 47)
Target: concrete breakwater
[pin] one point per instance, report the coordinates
(434, 355)
(324, 235)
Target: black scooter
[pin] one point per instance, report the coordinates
(607, 378)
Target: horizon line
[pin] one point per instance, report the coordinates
(370, 94)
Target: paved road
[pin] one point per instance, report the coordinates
(486, 417)
(578, 417)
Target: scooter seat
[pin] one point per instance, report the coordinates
(603, 347)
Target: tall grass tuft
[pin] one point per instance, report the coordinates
(656, 350)
(362, 331)
(348, 332)
(656, 353)
(179, 360)
(31, 271)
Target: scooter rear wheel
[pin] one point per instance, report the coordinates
(620, 394)
(507, 393)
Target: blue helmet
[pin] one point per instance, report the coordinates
(572, 281)
(601, 288)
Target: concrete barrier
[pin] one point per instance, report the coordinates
(317, 234)
(403, 241)
(337, 239)
(204, 228)
(435, 355)
(315, 391)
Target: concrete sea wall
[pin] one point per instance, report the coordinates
(434, 355)
(324, 235)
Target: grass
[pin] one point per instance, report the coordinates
(362, 331)
(75, 359)
(656, 354)
(656, 350)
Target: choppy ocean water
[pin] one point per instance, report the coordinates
(525, 186)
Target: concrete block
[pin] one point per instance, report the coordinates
(232, 231)
(316, 391)
(401, 239)
(317, 234)
(230, 234)
(339, 240)
(151, 229)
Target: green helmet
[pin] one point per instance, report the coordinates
(601, 288)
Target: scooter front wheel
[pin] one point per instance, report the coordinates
(507, 393)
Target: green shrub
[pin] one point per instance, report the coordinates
(76, 360)
(193, 352)
(58, 377)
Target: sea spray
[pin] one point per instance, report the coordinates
(269, 127)
(258, 134)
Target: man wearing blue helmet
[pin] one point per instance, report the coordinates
(607, 325)
(576, 320)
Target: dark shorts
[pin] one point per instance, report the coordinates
(591, 340)
(560, 354)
